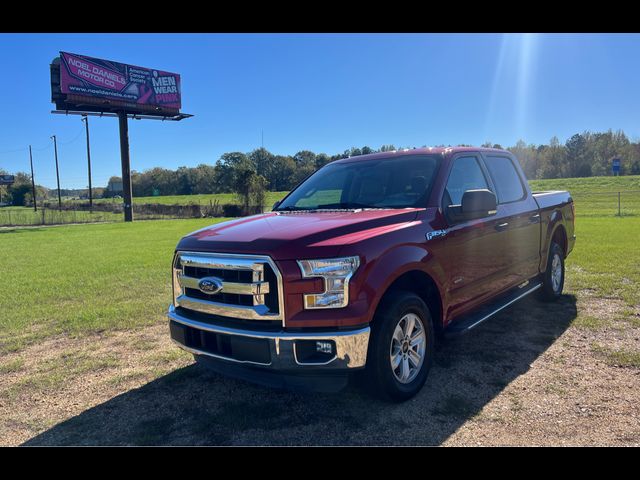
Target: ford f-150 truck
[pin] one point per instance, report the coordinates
(364, 265)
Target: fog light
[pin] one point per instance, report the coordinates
(324, 347)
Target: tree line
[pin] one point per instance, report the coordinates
(582, 155)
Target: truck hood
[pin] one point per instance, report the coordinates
(295, 235)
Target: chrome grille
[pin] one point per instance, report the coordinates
(250, 286)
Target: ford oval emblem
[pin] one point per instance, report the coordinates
(210, 285)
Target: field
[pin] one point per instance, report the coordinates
(202, 199)
(50, 216)
(598, 196)
(85, 356)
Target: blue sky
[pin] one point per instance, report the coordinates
(325, 93)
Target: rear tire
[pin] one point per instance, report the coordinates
(553, 277)
(401, 347)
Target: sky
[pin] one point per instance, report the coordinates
(321, 92)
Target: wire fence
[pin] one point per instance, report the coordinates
(73, 212)
(599, 204)
(587, 204)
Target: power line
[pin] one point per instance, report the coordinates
(47, 147)
(74, 138)
(14, 151)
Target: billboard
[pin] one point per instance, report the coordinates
(97, 80)
(7, 179)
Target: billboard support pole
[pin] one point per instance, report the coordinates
(33, 182)
(126, 166)
(55, 149)
(85, 119)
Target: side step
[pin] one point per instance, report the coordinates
(468, 321)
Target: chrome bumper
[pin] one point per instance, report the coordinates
(350, 346)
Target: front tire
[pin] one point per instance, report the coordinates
(553, 277)
(401, 347)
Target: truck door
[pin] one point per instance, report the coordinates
(472, 256)
(520, 219)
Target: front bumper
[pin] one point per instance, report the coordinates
(269, 350)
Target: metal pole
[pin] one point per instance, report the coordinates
(33, 182)
(85, 119)
(619, 205)
(127, 193)
(55, 149)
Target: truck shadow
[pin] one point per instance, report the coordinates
(192, 406)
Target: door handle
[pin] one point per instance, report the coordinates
(502, 226)
(534, 218)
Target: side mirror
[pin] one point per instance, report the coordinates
(478, 204)
(276, 205)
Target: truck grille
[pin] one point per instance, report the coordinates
(247, 287)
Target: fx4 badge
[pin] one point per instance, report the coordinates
(436, 233)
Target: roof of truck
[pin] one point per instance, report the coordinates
(420, 151)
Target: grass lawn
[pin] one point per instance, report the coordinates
(47, 216)
(83, 278)
(598, 196)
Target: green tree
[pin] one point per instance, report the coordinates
(229, 166)
(576, 157)
(283, 174)
(251, 190)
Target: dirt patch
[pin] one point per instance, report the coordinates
(529, 376)
(61, 377)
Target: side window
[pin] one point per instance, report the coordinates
(506, 179)
(466, 174)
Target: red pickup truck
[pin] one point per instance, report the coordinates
(364, 265)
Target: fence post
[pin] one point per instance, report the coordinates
(619, 214)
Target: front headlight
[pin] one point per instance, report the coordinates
(336, 273)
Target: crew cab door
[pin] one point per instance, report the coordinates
(520, 218)
(472, 252)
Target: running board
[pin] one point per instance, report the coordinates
(468, 321)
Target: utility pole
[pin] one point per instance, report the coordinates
(85, 119)
(55, 149)
(33, 182)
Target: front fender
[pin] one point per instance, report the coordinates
(381, 273)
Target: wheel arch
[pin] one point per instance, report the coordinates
(424, 286)
(559, 236)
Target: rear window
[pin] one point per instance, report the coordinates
(506, 178)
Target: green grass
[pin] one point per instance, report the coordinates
(621, 358)
(606, 257)
(86, 278)
(588, 184)
(27, 216)
(598, 196)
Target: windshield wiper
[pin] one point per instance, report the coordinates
(290, 208)
(345, 206)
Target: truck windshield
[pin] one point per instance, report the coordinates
(393, 182)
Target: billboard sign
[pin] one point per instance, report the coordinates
(106, 80)
(7, 179)
(615, 165)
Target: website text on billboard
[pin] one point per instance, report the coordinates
(93, 77)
